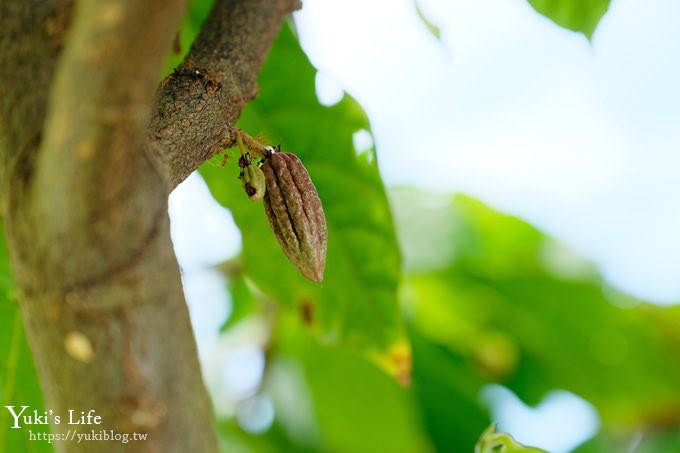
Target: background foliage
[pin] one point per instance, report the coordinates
(577, 15)
(462, 294)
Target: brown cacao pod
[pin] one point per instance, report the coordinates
(295, 213)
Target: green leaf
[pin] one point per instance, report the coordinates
(18, 380)
(654, 440)
(576, 15)
(233, 438)
(351, 396)
(448, 393)
(357, 302)
(355, 406)
(244, 303)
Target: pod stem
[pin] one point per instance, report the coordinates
(244, 140)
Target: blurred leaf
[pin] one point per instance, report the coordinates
(576, 15)
(196, 13)
(357, 407)
(448, 396)
(432, 28)
(233, 439)
(504, 316)
(353, 397)
(356, 304)
(659, 440)
(243, 301)
(18, 380)
(493, 442)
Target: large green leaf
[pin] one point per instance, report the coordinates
(18, 380)
(355, 407)
(357, 303)
(448, 393)
(351, 396)
(497, 303)
(576, 15)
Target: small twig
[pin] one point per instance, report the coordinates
(254, 146)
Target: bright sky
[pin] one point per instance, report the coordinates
(582, 140)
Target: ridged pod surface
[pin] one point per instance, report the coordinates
(295, 214)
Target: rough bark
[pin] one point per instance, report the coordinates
(197, 106)
(85, 199)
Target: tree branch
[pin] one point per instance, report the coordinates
(87, 223)
(197, 106)
(95, 135)
(31, 37)
(88, 231)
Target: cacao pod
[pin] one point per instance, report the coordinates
(295, 214)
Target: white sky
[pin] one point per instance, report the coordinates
(581, 140)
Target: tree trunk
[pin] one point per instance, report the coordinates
(88, 155)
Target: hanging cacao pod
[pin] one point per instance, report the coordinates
(295, 214)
